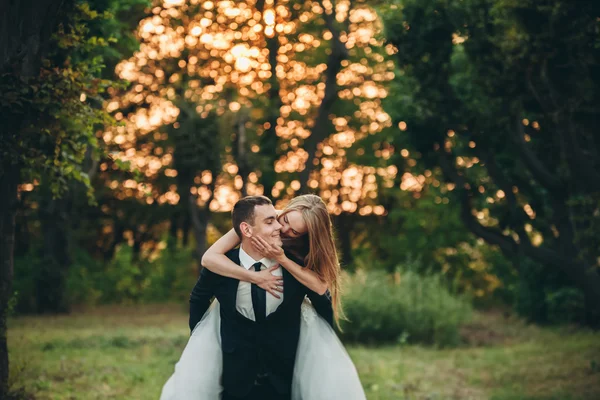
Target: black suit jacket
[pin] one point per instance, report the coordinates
(250, 347)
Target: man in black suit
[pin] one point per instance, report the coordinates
(259, 333)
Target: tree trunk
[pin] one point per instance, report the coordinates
(22, 234)
(187, 226)
(200, 218)
(9, 179)
(117, 238)
(172, 240)
(343, 229)
(269, 141)
(322, 127)
(242, 149)
(25, 27)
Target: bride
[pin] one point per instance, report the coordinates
(323, 370)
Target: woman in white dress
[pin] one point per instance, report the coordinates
(323, 370)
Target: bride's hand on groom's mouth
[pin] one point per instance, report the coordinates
(269, 282)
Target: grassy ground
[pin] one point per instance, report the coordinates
(129, 352)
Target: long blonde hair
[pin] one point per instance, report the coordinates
(320, 254)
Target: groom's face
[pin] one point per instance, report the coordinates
(266, 225)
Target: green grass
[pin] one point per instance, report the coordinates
(129, 352)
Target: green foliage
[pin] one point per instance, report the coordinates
(585, 211)
(82, 282)
(53, 118)
(125, 279)
(530, 294)
(543, 296)
(25, 274)
(85, 280)
(118, 29)
(170, 276)
(566, 305)
(53, 114)
(402, 307)
(492, 102)
(429, 229)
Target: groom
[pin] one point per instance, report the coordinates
(259, 333)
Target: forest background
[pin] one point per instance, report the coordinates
(453, 141)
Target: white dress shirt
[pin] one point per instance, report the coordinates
(244, 295)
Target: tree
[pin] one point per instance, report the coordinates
(47, 123)
(197, 149)
(258, 65)
(502, 96)
(322, 125)
(23, 44)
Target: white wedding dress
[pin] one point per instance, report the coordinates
(323, 369)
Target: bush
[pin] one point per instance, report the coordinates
(25, 274)
(565, 305)
(545, 296)
(170, 276)
(84, 279)
(402, 307)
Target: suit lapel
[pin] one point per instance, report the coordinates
(232, 283)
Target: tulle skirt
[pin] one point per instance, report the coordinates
(197, 374)
(323, 369)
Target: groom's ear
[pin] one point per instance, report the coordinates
(246, 229)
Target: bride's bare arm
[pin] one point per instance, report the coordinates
(308, 278)
(216, 261)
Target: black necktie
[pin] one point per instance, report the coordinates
(259, 298)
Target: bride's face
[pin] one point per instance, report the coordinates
(292, 224)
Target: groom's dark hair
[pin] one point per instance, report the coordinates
(243, 211)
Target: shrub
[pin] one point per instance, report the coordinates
(26, 269)
(565, 305)
(546, 296)
(84, 279)
(170, 276)
(402, 307)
